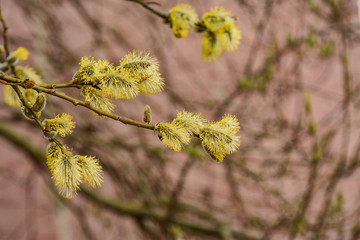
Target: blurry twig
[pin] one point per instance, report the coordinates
(5, 38)
(147, 6)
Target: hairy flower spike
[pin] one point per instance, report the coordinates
(68, 170)
(152, 85)
(192, 122)
(27, 73)
(120, 87)
(21, 54)
(104, 66)
(211, 46)
(10, 97)
(91, 170)
(138, 65)
(221, 35)
(53, 154)
(63, 124)
(219, 138)
(173, 135)
(216, 18)
(182, 18)
(89, 71)
(97, 98)
(230, 37)
(144, 69)
(67, 174)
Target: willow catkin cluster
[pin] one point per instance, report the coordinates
(220, 32)
(69, 170)
(63, 124)
(138, 72)
(182, 18)
(99, 81)
(218, 138)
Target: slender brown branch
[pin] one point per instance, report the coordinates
(81, 103)
(5, 38)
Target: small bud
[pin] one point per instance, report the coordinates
(28, 83)
(28, 114)
(147, 114)
(75, 76)
(39, 103)
(49, 134)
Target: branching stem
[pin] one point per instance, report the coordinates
(41, 88)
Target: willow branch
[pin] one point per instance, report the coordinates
(79, 102)
(61, 85)
(28, 107)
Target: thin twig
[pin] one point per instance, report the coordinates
(5, 27)
(146, 5)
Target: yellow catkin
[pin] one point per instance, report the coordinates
(91, 170)
(67, 174)
(219, 138)
(27, 73)
(63, 124)
(216, 17)
(21, 53)
(192, 122)
(98, 99)
(211, 47)
(230, 37)
(53, 154)
(182, 18)
(173, 135)
(119, 86)
(10, 97)
(144, 69)
(90, 70)
(221, 34)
